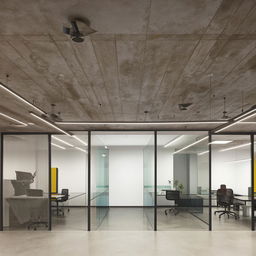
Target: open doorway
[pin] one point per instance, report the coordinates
(122, 180)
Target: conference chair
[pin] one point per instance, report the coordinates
(65, 193)
(173, 195)
(225, 199)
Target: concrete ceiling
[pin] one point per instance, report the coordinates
(147, 55)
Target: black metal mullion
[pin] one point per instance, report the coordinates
(252, 182)
(210, 181)
(89, 183)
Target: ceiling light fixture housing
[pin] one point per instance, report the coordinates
(74, 32)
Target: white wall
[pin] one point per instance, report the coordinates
(164, 166)
(72, 173)
(27, 153)
(236, 175)
(126, 176)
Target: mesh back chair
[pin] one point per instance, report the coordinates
(173, 195)
(64, 198)
(225, 199)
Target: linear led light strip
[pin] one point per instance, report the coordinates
(202, 153)
(172, 141)
(63, 141)
(238, 120)
(139, 123)
(13, 119)
(69, 144)
(235, 147)
(83, 142)
(81, 149)
(190, 145)
(239, 161)
(58, 146)
(49, 123)
(21, 98)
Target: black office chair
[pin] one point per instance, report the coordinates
(65, 193)
(173, 195)
(225, 199)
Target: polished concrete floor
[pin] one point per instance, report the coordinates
(122, 243)
(139, 219)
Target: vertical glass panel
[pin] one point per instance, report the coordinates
(99, 181)
(69, 181)
(122, 180)
(182, 181)
(25, 182)
(231, 182)
(149, 181)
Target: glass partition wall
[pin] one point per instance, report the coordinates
(69, 181)
(122, 180)
(25, 182)
(182, 181)
(231, 171)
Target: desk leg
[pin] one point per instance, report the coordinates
(246, 211)
(57, 208)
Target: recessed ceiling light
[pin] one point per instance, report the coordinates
(235, 147)
(83, 150)
(63, 141)
(202, 153)
(58, 146)
(172, 141)
(83, 142)
(221, 142)
(190, 145)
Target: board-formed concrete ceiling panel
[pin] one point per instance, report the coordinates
(146, 58)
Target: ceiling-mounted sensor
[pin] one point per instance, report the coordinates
(76, 34)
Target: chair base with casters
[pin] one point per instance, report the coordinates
(35, 224)
(171, 210)
(227, 212)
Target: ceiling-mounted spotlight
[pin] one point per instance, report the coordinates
(74, 32)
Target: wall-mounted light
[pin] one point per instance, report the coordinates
(50, 123)
(63, 141)
(58, 146)
(172, 141)
(13, 119)
(2, 86)
(190, 145)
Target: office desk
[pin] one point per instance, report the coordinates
(26, 207)
(244, 201)
(54, 198)
(192, 203)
